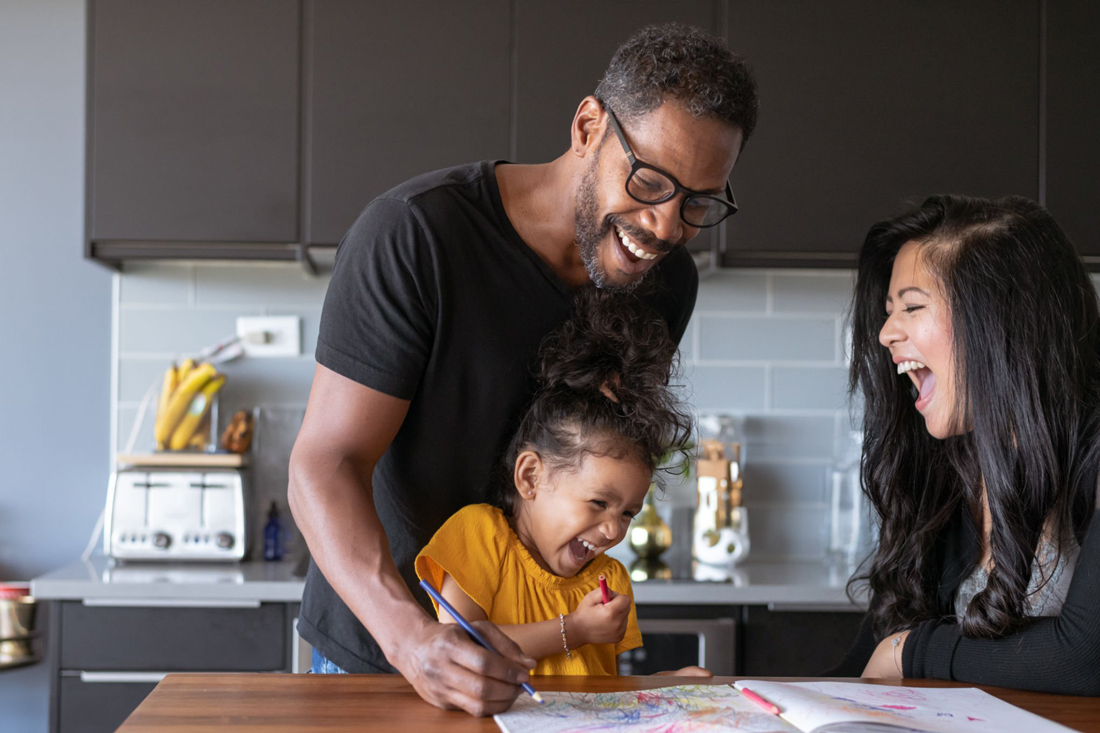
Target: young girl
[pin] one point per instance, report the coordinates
(977, 351)
(573, 477)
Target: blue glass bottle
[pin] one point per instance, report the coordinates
(273, 535)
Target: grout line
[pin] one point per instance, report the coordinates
(770, 315)
(769, 294)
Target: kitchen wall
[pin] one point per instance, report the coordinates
(764, 345)
(55, 341)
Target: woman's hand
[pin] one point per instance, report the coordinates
(885, 663)
(691, 671)
(596, 622)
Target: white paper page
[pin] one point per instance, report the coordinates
(811, 705)
(683, 709)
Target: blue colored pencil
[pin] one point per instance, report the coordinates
(472, 632)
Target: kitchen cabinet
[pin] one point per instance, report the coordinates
(791, 641)
(192, 127)
(397, 90)
(106, 655)
(1072, 108)
(562, 51)
(867, 104)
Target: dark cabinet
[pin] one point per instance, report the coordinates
(395, 90)
(867, 104)
(562, 50)
(106, 657)
(192, 122)
(793, 643)
(1072, 108)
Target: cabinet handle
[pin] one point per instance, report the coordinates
(167, 603)
(104, 677)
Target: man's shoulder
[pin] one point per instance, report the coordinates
(459, 180)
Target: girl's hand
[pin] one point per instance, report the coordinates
(596, 622)
(885, 663)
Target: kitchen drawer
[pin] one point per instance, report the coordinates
(91, 707)
(161, 638)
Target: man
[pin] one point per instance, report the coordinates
(442, 291)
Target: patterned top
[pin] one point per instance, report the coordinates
(1046, 592)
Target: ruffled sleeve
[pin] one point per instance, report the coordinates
(470, 548)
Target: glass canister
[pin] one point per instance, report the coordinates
(721, 531)
(852, 528)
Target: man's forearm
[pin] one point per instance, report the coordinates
(335, 512)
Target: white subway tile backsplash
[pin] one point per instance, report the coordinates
(159, 283)
(732, 290)
(729, 389)
(276, 284)
(812, 293)
(763, 338)
(809, 388)
(180, 331)
(763, 345)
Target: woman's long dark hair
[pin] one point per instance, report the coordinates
(1027, 361)
(611, 346)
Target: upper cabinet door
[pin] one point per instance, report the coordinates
(1073, 108)
(865, 105)
(193, 120)
(563, 48)
(395, 90)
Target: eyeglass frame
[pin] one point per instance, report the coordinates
(677, 187)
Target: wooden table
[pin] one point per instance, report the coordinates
(182, 703)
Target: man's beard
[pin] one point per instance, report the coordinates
(590, 231)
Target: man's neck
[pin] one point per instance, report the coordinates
(538, 200)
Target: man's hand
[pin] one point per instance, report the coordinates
(452, 671)
(885, 663)
(596, 622)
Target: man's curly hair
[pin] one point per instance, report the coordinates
(678, 62)
(604, 389)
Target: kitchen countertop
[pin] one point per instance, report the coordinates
(786, 585)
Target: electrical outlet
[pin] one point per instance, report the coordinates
(284, 335)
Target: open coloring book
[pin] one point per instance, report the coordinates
(806, 707)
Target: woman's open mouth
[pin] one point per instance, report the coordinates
(924, 380)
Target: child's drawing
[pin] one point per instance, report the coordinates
(682, 709)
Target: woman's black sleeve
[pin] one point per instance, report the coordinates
(1059, 654)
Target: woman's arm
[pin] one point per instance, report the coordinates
(1059, 654)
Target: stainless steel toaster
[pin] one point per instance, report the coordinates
(178, 515)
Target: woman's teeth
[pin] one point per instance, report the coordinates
(634, 249)
(908, 366)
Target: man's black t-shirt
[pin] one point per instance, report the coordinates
(435, 299)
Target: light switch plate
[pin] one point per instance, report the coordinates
(285, 335)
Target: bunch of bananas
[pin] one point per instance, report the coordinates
(183, 413)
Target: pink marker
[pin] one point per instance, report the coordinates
(603, 589)
(771, 708)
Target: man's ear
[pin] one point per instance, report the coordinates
(589, 124)
(528, 474)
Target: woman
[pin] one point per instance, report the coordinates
(977, 353)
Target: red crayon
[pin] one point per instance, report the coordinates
(603, 589)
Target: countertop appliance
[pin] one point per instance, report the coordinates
(178, 515)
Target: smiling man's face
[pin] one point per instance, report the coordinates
(621, 239)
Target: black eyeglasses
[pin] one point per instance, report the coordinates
(648, 184)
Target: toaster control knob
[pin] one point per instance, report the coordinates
(225, 540)
(161, 540)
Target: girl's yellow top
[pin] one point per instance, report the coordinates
(480, 551)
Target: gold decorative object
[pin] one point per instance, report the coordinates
(649, 535)
(645, 568)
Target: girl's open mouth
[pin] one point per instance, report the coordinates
(578, 551)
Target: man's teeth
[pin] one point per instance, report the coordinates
(908, 366)
(634, 249)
